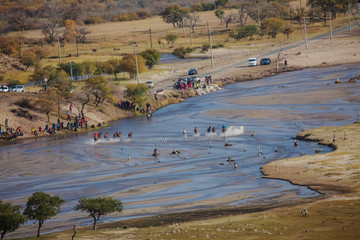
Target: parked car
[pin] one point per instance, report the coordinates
(150, 84)
(193, 71)
(4, 88)
(252, 62)
(17, 88)
(265, 61)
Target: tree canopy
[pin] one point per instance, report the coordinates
(136, 93)
(272, 26)
(10, 218)
(97, 207)
(152, 57)
(41, 206)
(174, 14)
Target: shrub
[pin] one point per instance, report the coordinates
(180, 52)
(205, 47)
(171, 38)
(142, 14)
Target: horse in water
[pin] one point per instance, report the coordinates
(106, 135)
(130, 134)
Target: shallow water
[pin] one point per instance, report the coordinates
(76, 166)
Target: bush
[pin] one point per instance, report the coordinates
(205, 47)
(152, 57)
(25, 103)
(180, 52)
(94, 20)
(171, 38)
(142, 14)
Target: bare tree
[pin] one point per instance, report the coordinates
(193, 20)
(82, 33)
(228, 19)
(52, 22)
(242, 14)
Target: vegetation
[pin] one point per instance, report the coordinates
(171, 38)
(41, 206)
(136, 93)
(180, 52)
(247, 31)
(98, 207)
(10, 218)
(152, 57)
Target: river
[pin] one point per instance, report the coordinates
(275, 108)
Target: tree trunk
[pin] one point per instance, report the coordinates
(3, 235)
(39, 228)
(48, 116)
(95, 220)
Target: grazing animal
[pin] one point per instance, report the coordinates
(94, 50)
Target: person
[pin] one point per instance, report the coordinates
(96, 136)
(209, 129)
(213, 130)
(286, 62)
(195, 130)
(223, 128)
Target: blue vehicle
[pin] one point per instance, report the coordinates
(193, 71)
(265, 61)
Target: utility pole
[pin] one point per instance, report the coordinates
(59, 49)
(306, 42)
(71, 72)
(331, 35)
(211, 54)
(349, 20)
(137, 68)
(190, 37)
(150, 38)
(77, 46)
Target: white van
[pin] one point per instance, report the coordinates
(252, 62)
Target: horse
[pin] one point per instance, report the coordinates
(130, 134)
(106, 135)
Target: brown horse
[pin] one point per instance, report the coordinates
(130, 134)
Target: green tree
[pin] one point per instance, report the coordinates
(171, 38)
(10, 218)
(60, 80)
(272, 26)
(287, 31)
(98, 207)
(29, 58)
(88, 67)
(45, 104)
(219, 13)
(41, 72)
(152, 57)
(174, 14)
(41, 206)
(136, 93)
(244, 32)
(71, 68)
